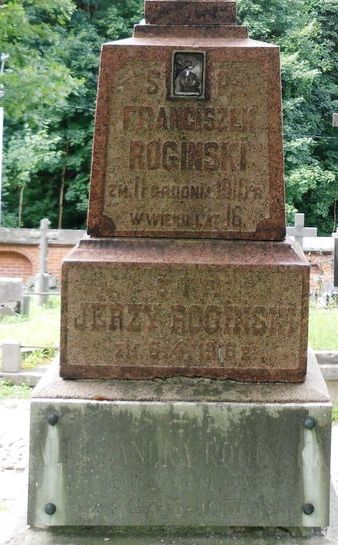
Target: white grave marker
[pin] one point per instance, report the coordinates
(298, 231)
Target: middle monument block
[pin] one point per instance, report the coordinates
(160, 308)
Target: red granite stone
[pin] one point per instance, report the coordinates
(190, 12)
(198, 308)
(184, 166)
(187, 148)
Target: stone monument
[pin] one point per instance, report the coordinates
(186, 306)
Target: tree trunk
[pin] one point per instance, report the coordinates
(335, 224)
(62, 190)
(22, 189)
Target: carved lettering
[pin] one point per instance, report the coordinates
(231, 218)
(189, 118)
(116, 317)
(210, 156)
(137, 156)
(153, 82)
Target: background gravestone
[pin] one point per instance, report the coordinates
(11, 295)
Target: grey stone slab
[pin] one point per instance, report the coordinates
(11, 289)
(30, 378)
(185, 389)
(189, 465)
(227, 536)
(327, 357)
(332, 386)
(11, 356)
(318, 244)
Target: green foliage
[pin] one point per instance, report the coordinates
(37, 357)
(17, 391)
(51, 80)
(50, 95)
(306, 33)
(28, 154)
(323, 327)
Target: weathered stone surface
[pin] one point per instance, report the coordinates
(187, 12)
(226, 32)
(312, 390)
(208, 165)
(156, 308)
(194, 465)
(11, 289)
(11, 356)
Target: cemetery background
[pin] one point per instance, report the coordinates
(41, 328)
(53, 51)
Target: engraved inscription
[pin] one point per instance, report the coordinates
(153, 318)
(188, 166)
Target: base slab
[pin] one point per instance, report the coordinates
(150, 464)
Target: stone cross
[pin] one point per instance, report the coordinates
(335, 258)
(44, 226)
(299, 231)
(41, 285)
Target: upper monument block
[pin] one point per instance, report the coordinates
(190, 12)
(188, 135)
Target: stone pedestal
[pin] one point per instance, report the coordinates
(180, 453)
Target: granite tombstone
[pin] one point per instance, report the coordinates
(186, 282)
(187, 144)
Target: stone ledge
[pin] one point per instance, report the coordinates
(313, 390)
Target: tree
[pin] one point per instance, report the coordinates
(305, 31)
(54, 50)
(29, 152)
(36, 90)
(54, 54)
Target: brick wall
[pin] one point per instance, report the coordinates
(14, 264)
(321, 275)
(22, 261)
(55, 257)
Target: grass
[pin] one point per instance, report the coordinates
(16, 391)
(323, 328)
(41, 328)
(335, 414)
(37, 357)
